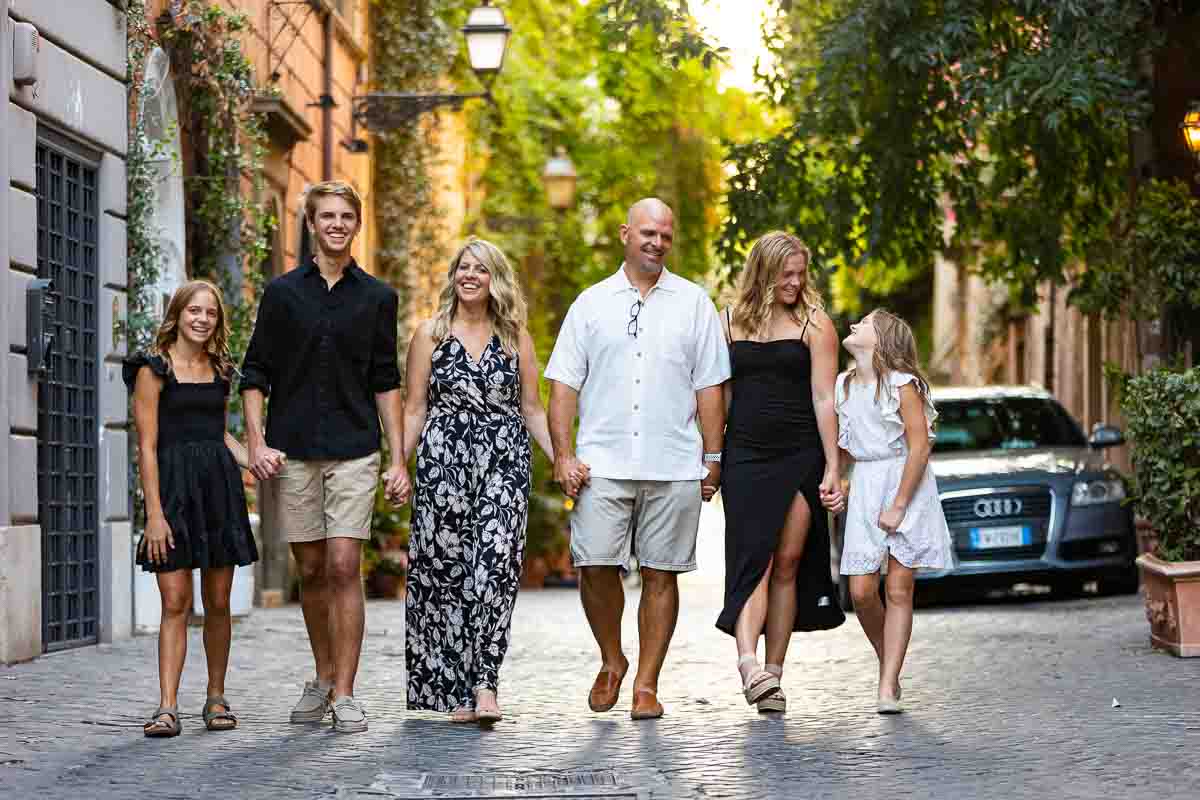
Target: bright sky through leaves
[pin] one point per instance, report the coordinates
(736, 24)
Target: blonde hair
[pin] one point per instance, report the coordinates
(217, 346)
(895, 351)
(330, 189)
(756, 286)
(506, 301)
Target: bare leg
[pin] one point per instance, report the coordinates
(781, 610)
(603, 599)
(175, 587)
(315, 603)
(897, 626)
(750, 624)
(215, 586)
(864, 591)
(347, 619)
(657, 615)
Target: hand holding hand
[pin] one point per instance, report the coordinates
(571, 474)
(711, 482)
(266, 462)
(832, 496)
(157, 541)
(890, 518)
(397, 487)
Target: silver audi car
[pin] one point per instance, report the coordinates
(1028, 497)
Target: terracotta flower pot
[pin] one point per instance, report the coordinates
(1172, 595)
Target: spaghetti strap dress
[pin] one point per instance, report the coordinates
(199, 482)
(772, 453)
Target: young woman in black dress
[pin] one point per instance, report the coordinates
(195, 505)
(780, 466)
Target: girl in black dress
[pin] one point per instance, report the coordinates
(195, 505)
(780, 466)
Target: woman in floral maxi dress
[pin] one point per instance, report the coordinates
(470, 411)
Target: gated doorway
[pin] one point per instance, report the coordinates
(67, 239)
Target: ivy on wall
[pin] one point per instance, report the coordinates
(228, 228)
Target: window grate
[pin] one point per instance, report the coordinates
(67, 240)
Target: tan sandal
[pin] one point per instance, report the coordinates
(463, 715)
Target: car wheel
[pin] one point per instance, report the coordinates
(1122, 583)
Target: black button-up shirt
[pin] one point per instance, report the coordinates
(322, 355)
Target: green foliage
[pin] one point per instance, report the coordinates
(630, 91)
(1162, 411)
(1015, 113)
(228, 227)
(1158, 260)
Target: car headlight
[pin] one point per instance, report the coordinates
(1091, 493)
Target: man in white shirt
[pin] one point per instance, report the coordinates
(640, 356)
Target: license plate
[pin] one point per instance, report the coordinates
(1004, 536)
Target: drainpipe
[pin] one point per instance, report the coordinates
(326, 100)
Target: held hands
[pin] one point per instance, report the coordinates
(891, 517)
(571, 474)
(157, 541)
(266, 462)
(832, 496)
(397, 487)
(711, 482)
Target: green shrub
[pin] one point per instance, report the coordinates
(1162, 410)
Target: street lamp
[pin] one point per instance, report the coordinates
(487, 34)
(560, 178)
(1191, 129)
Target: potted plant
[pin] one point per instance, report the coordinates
(1162, 409)
(387, 579)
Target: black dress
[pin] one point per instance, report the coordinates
(199, 482)
(772, 451)
(470, 508)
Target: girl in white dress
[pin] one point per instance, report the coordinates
(885, 423)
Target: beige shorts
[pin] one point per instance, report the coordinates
(656, 521)
(309, 501)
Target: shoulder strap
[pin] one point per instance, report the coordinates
(807, 320)
(728, 326)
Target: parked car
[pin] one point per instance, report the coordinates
(1028, 497)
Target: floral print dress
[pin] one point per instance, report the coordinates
(467, 544)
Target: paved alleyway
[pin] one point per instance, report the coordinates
(1007, 699)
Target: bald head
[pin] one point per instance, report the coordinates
(649, 205)
(648, 233)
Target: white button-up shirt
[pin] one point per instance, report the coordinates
(637, 394)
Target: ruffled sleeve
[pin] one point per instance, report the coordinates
(133, 364)
(889, 402)
(843, 419)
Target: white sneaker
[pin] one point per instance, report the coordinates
(314, 703)
(348, 715)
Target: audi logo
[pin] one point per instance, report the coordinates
(997, 507)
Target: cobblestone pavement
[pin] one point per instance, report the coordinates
(1006, 699)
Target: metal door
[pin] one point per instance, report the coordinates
(67, 426)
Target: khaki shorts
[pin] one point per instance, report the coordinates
(309, 501)
(656, 521)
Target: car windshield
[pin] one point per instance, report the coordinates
(1004, 423)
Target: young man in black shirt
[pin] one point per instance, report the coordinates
(324, 349)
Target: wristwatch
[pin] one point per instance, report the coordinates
(712, 458)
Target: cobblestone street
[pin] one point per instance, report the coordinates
(1010, 698)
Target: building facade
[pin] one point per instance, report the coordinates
(65, 534)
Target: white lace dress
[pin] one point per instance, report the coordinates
(874, 434)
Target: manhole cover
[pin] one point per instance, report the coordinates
(583, 785)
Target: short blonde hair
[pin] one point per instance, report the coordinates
(330, 189)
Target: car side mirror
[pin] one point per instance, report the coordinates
(1105, 436)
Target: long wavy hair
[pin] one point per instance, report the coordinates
(755, 296)
(217, 346)
(506, 301)
(895, 351)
